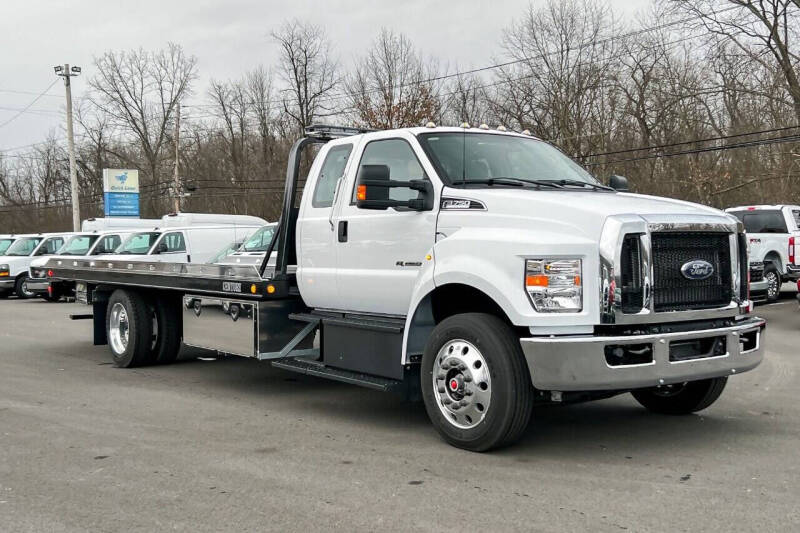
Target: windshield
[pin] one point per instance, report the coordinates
(4, 244)
(479, 157)
(24, 246)
(78, 245)
(259, 241)
(138, 243)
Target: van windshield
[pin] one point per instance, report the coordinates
(479, 158)
(24, 246)
(139, 243)
(4, 244)
(78, 245)
(259, 241)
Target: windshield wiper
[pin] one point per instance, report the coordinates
(595, 186)
(516, 182)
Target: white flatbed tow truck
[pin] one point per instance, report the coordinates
(481, 269)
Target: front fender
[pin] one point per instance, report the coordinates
(492, 260)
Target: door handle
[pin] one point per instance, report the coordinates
(342, 231)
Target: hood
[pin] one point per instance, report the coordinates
(573, 211)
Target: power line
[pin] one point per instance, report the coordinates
(23, 110)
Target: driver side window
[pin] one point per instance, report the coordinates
(174, 242)
(403, 165)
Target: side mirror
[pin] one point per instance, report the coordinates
(372, 190)
(160, 248)
(618, 183)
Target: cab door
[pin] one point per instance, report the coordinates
(316, 238)
(380, 252)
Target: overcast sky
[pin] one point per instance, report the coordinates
(228, 37)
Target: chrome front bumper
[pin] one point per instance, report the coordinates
(578, 363)
(37, 286)
(7, 284)
(758, 290)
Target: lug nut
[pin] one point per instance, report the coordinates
(455, 406)
(441, 376)
(442, 390)
(468, 392)
(462, 367)
(463, 403)
(448, 401)
(467, 378)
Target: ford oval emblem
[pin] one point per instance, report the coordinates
(697, 269)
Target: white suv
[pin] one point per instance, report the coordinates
(773, 232)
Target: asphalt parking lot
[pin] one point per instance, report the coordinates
(233, 444)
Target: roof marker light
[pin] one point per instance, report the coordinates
(465, 125)
(501, 128)
(484, 126)
(526, 132)
(430, 124)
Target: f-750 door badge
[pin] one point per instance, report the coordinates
(408, 263)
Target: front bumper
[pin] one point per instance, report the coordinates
(7, 284)
(37, 286)
(758, 291)
(578, 363)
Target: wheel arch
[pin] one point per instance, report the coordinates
(774, 257)
(442, 302)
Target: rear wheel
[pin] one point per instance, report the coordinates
(20, 288)
(129, 329)
(166, 341)
(681, 398)
(475, 382)
(773, 279)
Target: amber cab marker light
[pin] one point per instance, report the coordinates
(253, 288)
(361, 193)
(271, 288)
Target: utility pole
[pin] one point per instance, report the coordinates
(176, 177)
(66, 73)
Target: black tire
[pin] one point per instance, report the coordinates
(19, 288)
(509, 410)
(681, 399)
(136, 350)
(4, 295)
(53, 295)
(167, 344)
(773, 278)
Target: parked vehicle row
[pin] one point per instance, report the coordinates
(178, 237)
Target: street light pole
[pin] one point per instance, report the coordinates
(66, 73)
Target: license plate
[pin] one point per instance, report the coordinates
(81, 294)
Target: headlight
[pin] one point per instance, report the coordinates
(4, 271)
(554, 285)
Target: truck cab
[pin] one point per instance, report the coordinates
(773, 234)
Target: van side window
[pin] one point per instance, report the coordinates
(174, 242)
(107, 244)
(796, 217)
(51, 246)
(332, 169)
(401, 160)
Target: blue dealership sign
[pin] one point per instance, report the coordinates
(121, 204)
(121, 192)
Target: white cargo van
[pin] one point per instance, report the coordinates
(253, 249)
(82, 244)
(182, 244)
(17, 259)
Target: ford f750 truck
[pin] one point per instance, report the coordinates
(482, 269)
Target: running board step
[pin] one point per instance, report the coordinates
(313, 368)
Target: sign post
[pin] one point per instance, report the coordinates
(120, 192)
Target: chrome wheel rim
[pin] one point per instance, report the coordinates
(25, 291)
(772, 284)
(462, 385)
(118, 328)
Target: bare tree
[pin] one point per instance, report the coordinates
(393, 86)
(308, 71)
(138, 91)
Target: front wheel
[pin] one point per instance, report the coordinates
(681, 398)
(21, 288)
(475, 382)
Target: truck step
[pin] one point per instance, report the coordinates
(314, 368)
